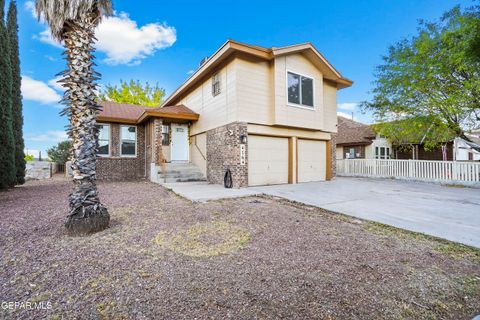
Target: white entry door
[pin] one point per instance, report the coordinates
(179, 150)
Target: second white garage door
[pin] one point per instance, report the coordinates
(311, 160)
(267, 160)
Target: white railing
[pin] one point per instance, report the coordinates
(426, 170)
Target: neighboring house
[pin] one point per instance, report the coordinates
(467, 150)
(356, 140)
(267, 114)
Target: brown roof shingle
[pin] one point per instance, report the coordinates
(120, 111)
(130, 113)
(353, 132)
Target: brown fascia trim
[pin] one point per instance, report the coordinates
(354, 144)
(166, 115)
(115, 120)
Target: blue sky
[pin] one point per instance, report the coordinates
(162, 41)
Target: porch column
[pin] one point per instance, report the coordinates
(157, 154)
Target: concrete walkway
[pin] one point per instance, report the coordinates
(203, 191)
(446, 212)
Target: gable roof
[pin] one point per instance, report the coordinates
(133, 114)
(230, 47)
(353, 132)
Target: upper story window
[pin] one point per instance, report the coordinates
(103, 140)
(300, 90)
(128, 141)
(165, 135)
(216, 84)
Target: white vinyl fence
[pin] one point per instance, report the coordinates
(426, 170)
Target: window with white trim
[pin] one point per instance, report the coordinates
(128, 141)
(382, 153)
(300, 90)
(216, 84)
(165, 135)
(103, 140)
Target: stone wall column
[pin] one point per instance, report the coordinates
(224, 152)
(157, 142)
(334, 155)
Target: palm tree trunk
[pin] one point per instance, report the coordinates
(87, 214)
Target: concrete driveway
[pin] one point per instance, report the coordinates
(447, 212)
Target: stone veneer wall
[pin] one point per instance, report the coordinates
(116, 167)
(223, 151)
(334, 155)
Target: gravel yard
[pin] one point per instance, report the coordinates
(256, 257)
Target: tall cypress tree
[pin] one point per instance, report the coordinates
(17, 114)
(7, 144)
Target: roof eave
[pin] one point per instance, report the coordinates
(167, 115)
(115, 120)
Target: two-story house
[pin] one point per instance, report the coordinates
(267, 114)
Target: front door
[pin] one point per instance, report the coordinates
(179, 142)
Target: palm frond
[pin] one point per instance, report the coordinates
(58, 12)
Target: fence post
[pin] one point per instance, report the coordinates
(454, 171)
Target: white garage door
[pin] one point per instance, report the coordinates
(267, 160)
(311, 160)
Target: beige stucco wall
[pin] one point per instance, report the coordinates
(198, 150)
(339, 152)
(255, 91)
(216, 110)
(290, 115)
(287, 132)
(330, 107)
(166, 152)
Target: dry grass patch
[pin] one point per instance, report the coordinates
(205, 239)
(450, 249)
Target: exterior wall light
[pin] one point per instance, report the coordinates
(243, 139)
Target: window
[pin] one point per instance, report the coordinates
(165, 135)
(128, 138)
(300, 90)
(382, 153)
(103, 147)
(352, 153)
(216, 84)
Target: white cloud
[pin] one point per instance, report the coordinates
(46, 37)
(123, 41)
(55, 84)
(347, 106)
(39, 91)
(346, 115)
(30, 6)
(190, 72)
(49, 136)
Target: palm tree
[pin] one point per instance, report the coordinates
(74, 22)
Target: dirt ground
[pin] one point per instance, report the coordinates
(167, 258)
